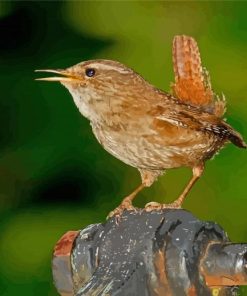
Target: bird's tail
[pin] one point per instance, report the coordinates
(192, 81)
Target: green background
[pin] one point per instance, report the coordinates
(54, 176)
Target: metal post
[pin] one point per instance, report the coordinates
(168, 252)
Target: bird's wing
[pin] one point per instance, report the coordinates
(192, 82)
(194, 118)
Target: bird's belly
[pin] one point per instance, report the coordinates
(141, 152)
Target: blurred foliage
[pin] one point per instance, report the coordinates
(54, 176)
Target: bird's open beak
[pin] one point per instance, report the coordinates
(66, 76)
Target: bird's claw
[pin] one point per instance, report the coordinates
(117, 213)
(155, 206)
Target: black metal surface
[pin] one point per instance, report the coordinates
(156, 253)
(225, 264)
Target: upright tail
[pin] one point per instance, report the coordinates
(192, 81)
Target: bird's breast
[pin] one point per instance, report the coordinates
(146, 148)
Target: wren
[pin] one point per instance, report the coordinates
(148, 128)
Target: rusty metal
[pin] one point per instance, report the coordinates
(162, 253)
(61, 264)
(225, 264)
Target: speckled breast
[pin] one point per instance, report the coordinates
(148, 151)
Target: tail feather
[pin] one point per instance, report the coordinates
(192, 81)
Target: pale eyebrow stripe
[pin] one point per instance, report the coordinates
(108, 67)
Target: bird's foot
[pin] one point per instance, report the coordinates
(155, 206)
(117, 213)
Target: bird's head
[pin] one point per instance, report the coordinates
(97, 85)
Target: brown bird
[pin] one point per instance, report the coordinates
(146, 127)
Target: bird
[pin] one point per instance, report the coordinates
(147, 128)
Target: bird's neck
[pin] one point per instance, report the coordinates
(84, 100)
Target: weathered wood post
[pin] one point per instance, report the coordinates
(168, 252)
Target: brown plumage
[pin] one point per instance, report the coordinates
(192, 82)
(147, 128)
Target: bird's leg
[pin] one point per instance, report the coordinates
(126, 203)
(197, 172)
(148, 177)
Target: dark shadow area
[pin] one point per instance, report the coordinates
(68, 186)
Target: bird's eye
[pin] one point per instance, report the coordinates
(90, 72)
